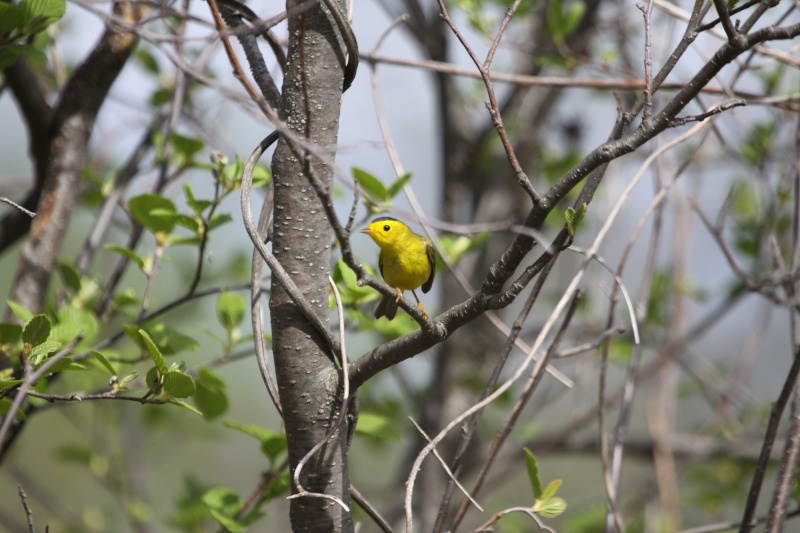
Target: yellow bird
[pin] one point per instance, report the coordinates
(407, 261)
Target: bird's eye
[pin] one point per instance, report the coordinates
(386, 227)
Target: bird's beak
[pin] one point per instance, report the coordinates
(367, 232)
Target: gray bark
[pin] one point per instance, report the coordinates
(308, 379)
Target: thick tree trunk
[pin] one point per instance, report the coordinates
(59, 164)
(308, 379)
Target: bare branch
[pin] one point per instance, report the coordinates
(14, 204)
(28, 512)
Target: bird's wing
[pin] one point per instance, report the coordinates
(380, 264)
(431, 253)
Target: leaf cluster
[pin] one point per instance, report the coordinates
(19, 22)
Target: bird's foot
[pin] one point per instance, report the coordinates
(399, 295)
(422, 309)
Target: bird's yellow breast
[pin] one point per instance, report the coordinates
(406, 267)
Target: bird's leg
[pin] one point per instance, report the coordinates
(399, 295)
(420, 306)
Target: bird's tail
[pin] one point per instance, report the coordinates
(386, 307)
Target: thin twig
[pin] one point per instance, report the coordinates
(28, 512)
(151, 278)
(370, 510)
(109, 395)
(589, 346)
(487, 526)
(680, 121)
(16, 205)
(769, 439)
(446, 468)
(492, 106)
(205, 221)
(762, 287)
(618, 281)
(787, 474)
(648, 60)
(725, 18)
(256, 302)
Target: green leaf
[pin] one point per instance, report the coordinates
(572, 17)
(396, 187)
(183, 241)
(185, 147)
(127, 252)
(153, 380)
(12, 18)
(351, 293)
(126, 298)
(10, 333)
(5, 407)
(6, 384)
(190, 223)
(561, 20)
(261, 176)
(532, 467)
(456, 247)
(21, 312)
(550, 508)
(273, 444)
(168, 340)
(36, 330)
(171, 341)
(223, 499)
(210, 397)
(127, 379)
(275, 447)
(70, 276)
(224, 505)
(75, 453)
(44, 349)
(232, 174)
(759, 144)
(181, 403)
(230, 310)
(370, 184)
(281, 486)
(158, 359)
(147, 60)
(72, 322)
(103, 360)
(218, 219)
(11, 52)
(178, 384)
(41, 13)
(154, 212)
(349, 277)
(551, 489)
(65, 363)
(258, 432)
(198, 206)
(377, 427)
(574, 218)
